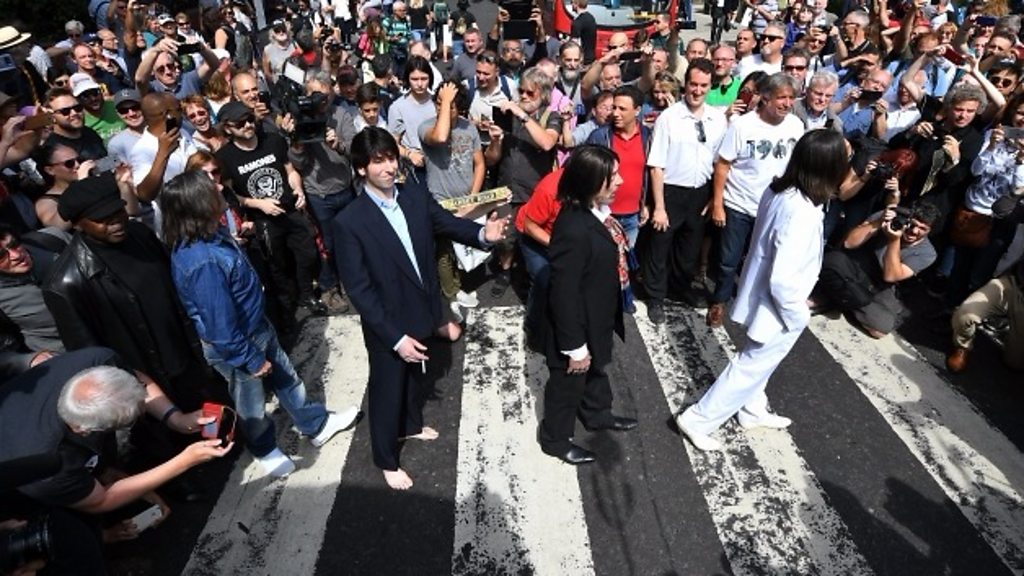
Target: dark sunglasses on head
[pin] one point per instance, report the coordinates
(488, 58)
(70, 163)
(67, 110)
(128, 108)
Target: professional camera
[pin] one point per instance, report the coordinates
(307, 111)
(883, 171)
(901, 219)
(23, 545)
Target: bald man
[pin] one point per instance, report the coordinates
(162, 150)
(247, 91)
(595, 79)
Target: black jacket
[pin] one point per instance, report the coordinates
(585, 299)
(93, 307)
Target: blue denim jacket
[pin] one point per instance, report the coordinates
(223, 295)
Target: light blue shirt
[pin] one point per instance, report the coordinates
(396, 218)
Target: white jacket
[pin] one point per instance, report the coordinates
(782, 266)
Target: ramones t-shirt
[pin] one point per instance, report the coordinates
(259, 173)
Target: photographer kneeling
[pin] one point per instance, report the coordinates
(889, 247)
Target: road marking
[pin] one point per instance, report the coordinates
(517, 510)
(942, 429)
(264, 526)
(768, 507)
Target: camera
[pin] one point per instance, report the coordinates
(901, 219)
(23, 545)
(307, 111)
(883, 171)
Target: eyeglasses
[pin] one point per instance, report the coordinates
(128, 109)
(165, 68)
(70, 163)
(512, 49)
(529, 93)
(702, 137)
(67, 110)
(5, 251)
(793, 68)
(1002, 81)
(197, 113)
(770, 38)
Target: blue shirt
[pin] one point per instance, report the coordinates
(857, 120)
(394, 215)
(223, 296)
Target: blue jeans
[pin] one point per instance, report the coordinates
(247, 393)
(324, 209)
(732, 244)
(631, 226)
(535, 256)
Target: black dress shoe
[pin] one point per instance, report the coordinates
(656, 312)
(617, 424)
(315, 306)
(575, 455)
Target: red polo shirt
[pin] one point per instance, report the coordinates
(632, 163)
(543, 206)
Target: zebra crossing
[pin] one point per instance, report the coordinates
(886, 470)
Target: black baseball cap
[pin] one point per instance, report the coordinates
(234, 112)
(95, 198)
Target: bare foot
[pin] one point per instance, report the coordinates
(397, 479)
(426, 433)
(451, 331)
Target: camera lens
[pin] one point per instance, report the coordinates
(21, 546)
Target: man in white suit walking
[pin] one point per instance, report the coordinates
(780, 272)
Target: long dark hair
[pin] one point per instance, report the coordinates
(817, 167)
(589, 169)
(191, 208)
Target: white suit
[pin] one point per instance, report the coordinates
(781, 269)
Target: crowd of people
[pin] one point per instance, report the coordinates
(178, 190)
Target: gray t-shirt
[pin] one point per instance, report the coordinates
(464, 67)
(450, 166)
(917, 257)
(406, 115)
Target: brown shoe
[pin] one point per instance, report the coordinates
(956, 360)
(335, 302)
(716, 314)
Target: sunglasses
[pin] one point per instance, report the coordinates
(488, 58)
(70, 163)
(199, 113)
(279, 30)
(530, 93)
(94, 93)
(180, 24)
(5, 251)
(164, 68)
(616, 46)
(1002, 82)
(702, 137)
(770, 38)
(793, 68)
(60, 82)
(245, 120)
(66, 111)
(128, 109)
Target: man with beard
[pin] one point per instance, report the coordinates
(568, 82)
(725, 87)
(128, 104)
(69, 125)
(755, 149)
(769, 60)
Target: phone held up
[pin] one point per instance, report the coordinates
(223, 425)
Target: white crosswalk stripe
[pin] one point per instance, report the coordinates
(518, 511)
(770, 510)
(980, 470)
(264, 526)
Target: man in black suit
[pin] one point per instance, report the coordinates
(385, 254)
(588, 280)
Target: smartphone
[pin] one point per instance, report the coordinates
(172, 123)
(106, 164)
(746, 96)
(147, 518)
(504, 120)
(686, 24)
(953, 56)
(216, 411)
(630, 56)
(186, 48)
(38, 121)
(1011, 133)
(264, 97)
(870, 95)
(986, 21)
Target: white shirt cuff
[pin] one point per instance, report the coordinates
(577, 354)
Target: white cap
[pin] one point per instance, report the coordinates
(82, 82)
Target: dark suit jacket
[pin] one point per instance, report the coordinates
(377, 274)
(585, 299)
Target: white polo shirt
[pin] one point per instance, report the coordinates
(676, 147)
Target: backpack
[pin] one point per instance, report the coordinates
(471, 84)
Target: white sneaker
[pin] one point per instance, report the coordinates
(277, 463)
(467, 300)
(336, 422)
(768, 421)
(702, 442)
(457, 312)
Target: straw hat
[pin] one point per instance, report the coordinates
(10, 37)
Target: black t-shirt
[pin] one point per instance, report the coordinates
(89, 146)
(30, 425)
(259, 173)
(584, 27)
(462, 20)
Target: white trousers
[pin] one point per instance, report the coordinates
(740, 387)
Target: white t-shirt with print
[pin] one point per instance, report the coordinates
(759, 152)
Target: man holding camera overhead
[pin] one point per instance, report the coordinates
(160, 68)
